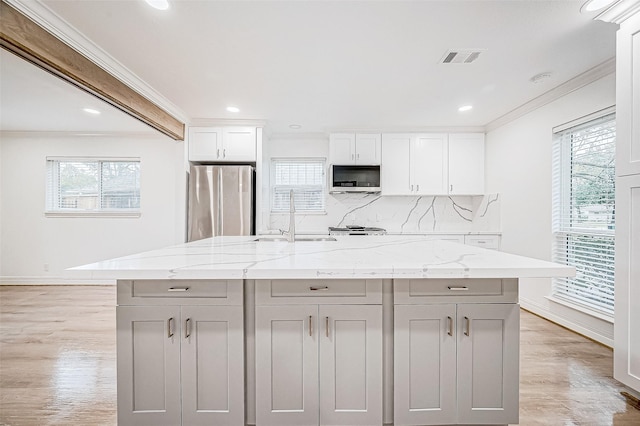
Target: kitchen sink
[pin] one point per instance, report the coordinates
(280, 239)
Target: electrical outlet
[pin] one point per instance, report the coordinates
(46, 267)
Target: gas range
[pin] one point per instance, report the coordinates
(356, 230)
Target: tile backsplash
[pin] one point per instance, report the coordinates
(401, 214)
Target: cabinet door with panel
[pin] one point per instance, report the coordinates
(429, 167)
(466, 163)
(148, 358)
(319, 365)
(212, 366)
(239, 144)
(287, 365)
(350, 364)
(424, 364)
(368, 150)
(395, 175)
(488, 363)
(342, 148)
(205, 143)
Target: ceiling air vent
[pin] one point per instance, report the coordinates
(461, 56)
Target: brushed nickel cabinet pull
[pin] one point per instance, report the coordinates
(451, 188)
(187, 328)
(326, 325)
(461, 288)
(417, 188)
(467, 330)
(218, 153)
(310, 326)
(178, 289)
(224, 153)
(411, 188)
(450, 321)
(169, 327)
(322, 288)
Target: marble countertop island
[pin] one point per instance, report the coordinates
(348, 257)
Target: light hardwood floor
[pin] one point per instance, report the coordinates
(57, 364)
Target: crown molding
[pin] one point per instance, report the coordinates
(213, 122)
(620, 11)
(61, 29)
(579, 81)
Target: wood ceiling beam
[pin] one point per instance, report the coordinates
(22, 36)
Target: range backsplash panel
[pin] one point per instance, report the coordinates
(401, 214)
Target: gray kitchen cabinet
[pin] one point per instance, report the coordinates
(355, 148)
(222, 144)
(179, 361)
(317, 363)
(455, 362)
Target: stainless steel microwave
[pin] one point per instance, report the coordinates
(353, 178)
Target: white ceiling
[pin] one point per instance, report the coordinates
(330, 65)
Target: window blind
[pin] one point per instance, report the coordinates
(93, 185)
(305, 177)
(584, 212)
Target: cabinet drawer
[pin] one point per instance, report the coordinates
(275, 292)
(484, 241)
(171, 292)
(480, 290)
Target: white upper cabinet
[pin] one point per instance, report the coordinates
(433, 164)
(351, 148)
(466, 163)
(428, 164)
(222, 144)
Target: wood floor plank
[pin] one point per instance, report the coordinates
(57, 364)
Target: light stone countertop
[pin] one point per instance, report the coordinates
(390, 256)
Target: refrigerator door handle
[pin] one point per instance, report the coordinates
(219, 218)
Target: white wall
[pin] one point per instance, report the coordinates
(29, 240)
(518, 164)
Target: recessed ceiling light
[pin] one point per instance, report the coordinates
(91, 111)
(294, 126)
(233, 109)
(465, 108)
(593, 5)
(158, 4)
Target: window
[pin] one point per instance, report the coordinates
(307, 179)
(93, 186)
(584, 212)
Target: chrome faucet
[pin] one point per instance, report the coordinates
(291, 233)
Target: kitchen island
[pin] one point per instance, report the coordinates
(358, 331)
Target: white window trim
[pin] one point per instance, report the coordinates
(272, 185)
(80, 213)
(558, 216)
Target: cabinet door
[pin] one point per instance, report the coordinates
(488, 364)
(429, 164)
(350, 364)
(424, 364)
(239, 144)
(628, 97)
(148, 349)
(287, 365)
(466, 163)
(342, 148)
(205, 144)
(212, 365)
(368, 149)
(626, 334)
(395, 173)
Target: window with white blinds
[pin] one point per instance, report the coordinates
(307, 179)
(90, 185)
(584, 212)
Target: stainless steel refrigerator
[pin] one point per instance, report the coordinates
(221, 201)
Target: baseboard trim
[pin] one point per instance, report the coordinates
(581, 329)
(52, 281)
